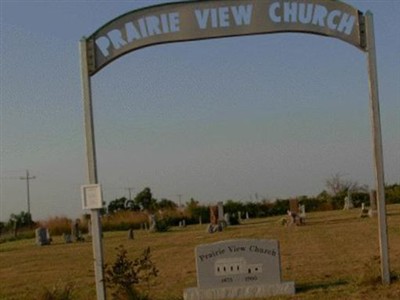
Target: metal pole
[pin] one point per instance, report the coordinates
(28, 198)
(92, 172)
(377, 146)
(27, 192)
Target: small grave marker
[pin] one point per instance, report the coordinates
(372, 200)
(42, 236)
(237, 269)
(348, 202)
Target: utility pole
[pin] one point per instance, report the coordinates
(180, 196)
(27, 178)
(129, 191)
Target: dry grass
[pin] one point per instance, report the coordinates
(334, 256)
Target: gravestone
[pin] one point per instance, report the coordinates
(42, 236)
(152, 221)
(131, 235)
(372, 212)
(302, 212)
(364, 211)
(237, 269)
(214, 225)
(348, 202)
(214, 215)
(227, 219)
(67, 238)
(76, 231)
(220, 212)
(294, 205)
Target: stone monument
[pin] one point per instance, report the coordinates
(237, 269)
(42, 236)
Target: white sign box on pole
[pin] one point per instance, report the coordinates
(92, 197)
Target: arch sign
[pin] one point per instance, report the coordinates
(206, 19)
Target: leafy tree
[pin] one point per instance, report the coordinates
(23, 219)
(145, 200)
(116, 205)
(167, 204)
(233, 207)
(195, 211)
(392, 193)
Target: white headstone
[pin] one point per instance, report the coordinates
(242, 268)
(348, 202)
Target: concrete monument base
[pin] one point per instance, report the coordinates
(240, 292)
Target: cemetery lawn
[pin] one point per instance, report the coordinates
(334, 256)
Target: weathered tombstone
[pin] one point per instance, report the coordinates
(76, 231)
(236, 269)
(214, 215)
(214, 225)
(372, 200)
(302, 214)
(131, 235)
(42, 236)
(294, 205)
(293, 218)
(152, 221)
(240, 216)
(364, 211)
(227, 219)
(67, 238)
(348, 202)
(200, 220)
(247, 215)
(184, 223)
(220, 212)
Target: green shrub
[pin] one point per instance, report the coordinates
(124, 275)
(161, 226)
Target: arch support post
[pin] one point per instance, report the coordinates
(92, 171)
(377, 147)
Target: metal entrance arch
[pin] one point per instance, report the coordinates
(206, 19)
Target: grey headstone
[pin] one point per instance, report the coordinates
(67, 238)
(238, 262)
(243, 267)
(42, 236)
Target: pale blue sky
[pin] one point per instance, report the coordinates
(214, 120)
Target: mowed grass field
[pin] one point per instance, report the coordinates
(334, 256)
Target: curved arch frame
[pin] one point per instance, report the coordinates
(214, 20)
(207, 19)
